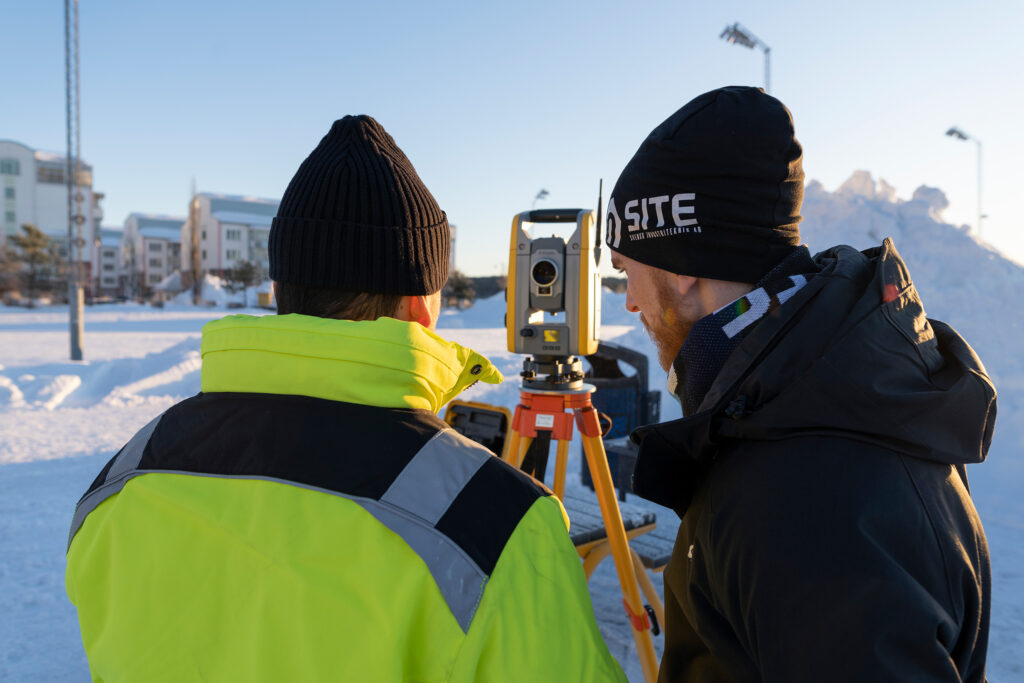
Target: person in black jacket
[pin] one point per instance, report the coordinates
(827, 531)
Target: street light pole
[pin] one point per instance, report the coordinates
(73, 171)
(959, 134)
(739, 35)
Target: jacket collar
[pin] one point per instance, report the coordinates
(384, 362)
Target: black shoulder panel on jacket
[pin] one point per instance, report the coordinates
(484, 515)
(345, 447)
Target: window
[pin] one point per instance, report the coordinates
(108, 267)
(50, 174)
(8, 193)
(156, 246)
(155, 263)
(204, 254)
(109, 253)
(10, 218)
(109, 281)
(10, 167)
(204, 234)
(232, 254)
(234, 235)
(154, 278)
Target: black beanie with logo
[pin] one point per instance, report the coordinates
(714, 191)
(356, 216)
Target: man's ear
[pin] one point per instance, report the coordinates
(683, 284)
(416, 309)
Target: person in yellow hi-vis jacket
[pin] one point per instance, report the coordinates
(307, 516)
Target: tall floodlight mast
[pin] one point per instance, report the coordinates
(738, 35)
(73, 172)
(959, 134)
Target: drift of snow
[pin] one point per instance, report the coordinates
(60, 421)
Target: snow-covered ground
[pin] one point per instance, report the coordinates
(60, 421)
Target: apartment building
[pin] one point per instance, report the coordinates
(150, 251)
(232, 228)
(32, 183)
(108, 271)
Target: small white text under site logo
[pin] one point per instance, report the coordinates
(650, 217)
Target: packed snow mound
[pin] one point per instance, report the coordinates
(861, 184)
(932, 197)
(215, 291)
(171, 283)
(156, 378)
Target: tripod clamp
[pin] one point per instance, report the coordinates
(552, 373)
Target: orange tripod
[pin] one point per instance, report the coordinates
(545, 410)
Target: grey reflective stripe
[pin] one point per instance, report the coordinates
(459, 578)
(131, 455)
(436, 475)
(123, 469)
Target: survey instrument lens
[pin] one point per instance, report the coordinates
(544, 272)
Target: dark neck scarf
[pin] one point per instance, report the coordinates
(714, 337)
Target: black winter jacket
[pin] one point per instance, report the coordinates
(827, 530)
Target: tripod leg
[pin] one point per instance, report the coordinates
(535, 462)
(593, 447)
(524, 445)
(650, 592)
(512, 448)
(594, 557)
(561, 464)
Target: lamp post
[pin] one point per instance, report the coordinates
(738, 35)
(72, 179)
(959, 134)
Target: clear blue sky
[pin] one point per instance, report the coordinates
(493, 101)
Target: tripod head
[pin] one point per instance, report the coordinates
(552, 373)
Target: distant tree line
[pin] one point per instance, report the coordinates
(30, 264)
(462, 290)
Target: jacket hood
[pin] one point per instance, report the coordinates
(384, 362)
(852, 355)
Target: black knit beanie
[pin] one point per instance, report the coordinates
(714, 191)
(356, 216)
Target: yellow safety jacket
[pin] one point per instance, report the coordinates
(307, 517)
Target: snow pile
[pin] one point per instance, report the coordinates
(171, 283)
(215, 291)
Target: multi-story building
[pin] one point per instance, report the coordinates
(232, 229)
(150, 251)
(33, 183)
(108, 270)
